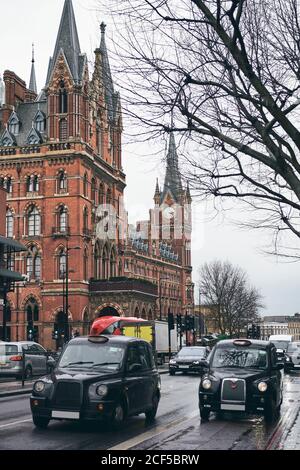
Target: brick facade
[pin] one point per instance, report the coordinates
(65, 175)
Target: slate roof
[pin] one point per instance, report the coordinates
(26, 113)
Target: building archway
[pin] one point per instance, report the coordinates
(108, 311)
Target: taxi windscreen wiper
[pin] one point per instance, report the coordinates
(105, 364)
(79, 363)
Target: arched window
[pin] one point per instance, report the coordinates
(108, 196)
(113, 263)
(32, 311)
(101, 194)
(63, 98)
(93, 190)
(9, 224)
(105, 264)
(85, 220)
(7, 184)
(63, 219)
(33, 263)
(14, 124)
(97, 260)
(62, 181)
(62, 264)
(85, 264)
(40, 122)
(32, 184)
(35, 183)
(63, 129)
(85, 185)
(34, 222)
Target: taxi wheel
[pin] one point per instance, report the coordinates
(40, 422)
(118, 417)
(150, 415)
(204, 413)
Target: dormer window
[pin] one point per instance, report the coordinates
(39, 122)
(63, 98)
(14, 124)
(7, 139)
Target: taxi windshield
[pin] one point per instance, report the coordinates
(192, 352)
(280, 344)
(92, 356)
(239, 357)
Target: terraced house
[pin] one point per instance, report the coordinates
(61, 164)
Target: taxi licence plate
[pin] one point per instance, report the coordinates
(184, 367)
(65, 414)
(233, 407)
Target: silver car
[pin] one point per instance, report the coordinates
(292, 356)
(11, 359)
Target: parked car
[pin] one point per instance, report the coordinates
(292, 356)
(242, 375)
(11, 359)
(281, 342)
(189, 359)
(100, 378)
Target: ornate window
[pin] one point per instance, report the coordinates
(97, 261)
(32, 311)
(112, 264)
(93, 190)
(33, 263)
(39, 122)
(85, 185)
(62, 181)
(34, 222)
(63, 98)
(32, 184)
(62, 264)
(85, 220)
(9, 224)
(63, 219)
(14, 124)
(85, 264)
(63, 129)
(108, 196)
(101, 194)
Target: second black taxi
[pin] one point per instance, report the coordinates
(99, 378)
(242, 375)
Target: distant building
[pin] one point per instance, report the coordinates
(294, 326)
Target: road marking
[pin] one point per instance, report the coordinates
(15, 422)
(134, 441)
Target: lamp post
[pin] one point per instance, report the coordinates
(66, 293)
(160, 298)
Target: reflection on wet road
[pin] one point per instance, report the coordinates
(177, 426)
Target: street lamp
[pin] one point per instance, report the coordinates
(66, 303)
(159, 282)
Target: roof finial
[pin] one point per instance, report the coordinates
(33, 53)
(102, 27)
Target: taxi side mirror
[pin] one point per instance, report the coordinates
(204, 363)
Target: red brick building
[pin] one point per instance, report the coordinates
(61, 163)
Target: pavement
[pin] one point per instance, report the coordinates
(10, 388)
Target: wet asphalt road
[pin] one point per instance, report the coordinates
(177, 425)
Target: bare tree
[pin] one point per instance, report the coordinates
(232, 302)
(228, 71)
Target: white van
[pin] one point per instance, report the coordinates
(281, 341)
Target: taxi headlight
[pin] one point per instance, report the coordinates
(287, 358)
(172, 361)
(262, 386)
(196, 363)
(206, 384)
(39, 386)
(102, 390)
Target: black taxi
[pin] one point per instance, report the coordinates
(98, 378)
(242, 375)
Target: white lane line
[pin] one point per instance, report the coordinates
(152, 433)
(14, 423)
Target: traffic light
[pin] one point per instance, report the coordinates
(55, 334)
(258, 331)
(170, 321)
(250, 331)
(192, 323)
(30, 332)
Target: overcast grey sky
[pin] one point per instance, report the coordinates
(24, 22)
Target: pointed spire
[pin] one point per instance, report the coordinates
(32, 81)
(107, 78)
(172, 178)
(67, 41)
(157, 193)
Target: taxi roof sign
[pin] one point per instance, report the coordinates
(242, 342)
(98, 339)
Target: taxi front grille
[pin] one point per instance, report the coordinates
(233, 390)
(68, 395)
